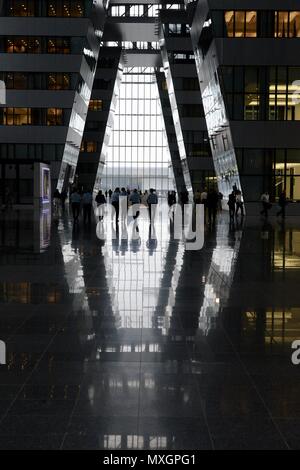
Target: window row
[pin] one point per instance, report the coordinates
(154, 138)
(176, 29)
(133, 10)
(276, 170)
(140, 106)
(38, 81)
(138, 122)
(262, 93)
(95, 105)
(59, 8)
(89, 146)
(38, 45)
(33, 116)
(182, 57)
(40, 152)
(252, 23)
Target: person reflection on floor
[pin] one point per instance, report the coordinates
(75, 202)
(87, 202)
(212, 206)
(152, 240)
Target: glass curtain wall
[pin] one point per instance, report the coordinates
(138, 154)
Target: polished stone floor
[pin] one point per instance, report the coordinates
(136, 343)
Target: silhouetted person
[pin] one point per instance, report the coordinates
(56, 199)
(282, 202)
(239, 203)
(135, 198)
(173, 197)
(116, 203)
(145, 198)
(152, 203)
(212, 206)
(266, 206)
(75, 202)
(63, 198)
(203, 196)
(87, 202)
(231, 205)
(123, 192)
(100, 200)
(184, 197)
(197, 197)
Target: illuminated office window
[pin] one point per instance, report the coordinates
(16, 81)
(58, 46)
(287, 24)
(17, 116)
(284, 94)
(66, 8)
(138, 153)
(294, 24)
(21, 7)
(58, 81)
(22, 45)
(91, 147)
(16, 292)
(250, 97)
(229, 20)
(287, 173)
(251, 24)
(95, 105)
(241, 24)
(54, 117)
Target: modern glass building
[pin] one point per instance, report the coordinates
(125, 334)
(248, 72)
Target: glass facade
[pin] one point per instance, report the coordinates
(241, 24)
(255, 24)
(34, 116)
(38, 81)
(41, 45)
(275, 170)
(287, 24)
(262, 93)
(138, 154)
(58, 8)
(251, 80)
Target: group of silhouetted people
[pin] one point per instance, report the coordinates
(211, 199)
(267, 205)
(84, 200)
(133, 198)
(235, 203)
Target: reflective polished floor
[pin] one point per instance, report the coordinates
(139, 344)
